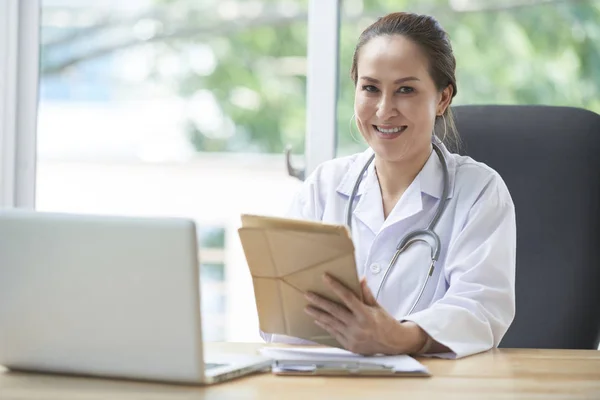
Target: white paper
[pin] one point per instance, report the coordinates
(400, 363)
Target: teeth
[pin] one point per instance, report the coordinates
(393, 130)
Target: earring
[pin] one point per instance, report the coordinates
(350, 127)
(445, 127)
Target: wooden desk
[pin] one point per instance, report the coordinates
(498, 374)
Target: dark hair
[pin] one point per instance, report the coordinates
(426, 32)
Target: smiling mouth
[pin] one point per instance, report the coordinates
(391, 131)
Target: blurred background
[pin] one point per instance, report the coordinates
(184, 108)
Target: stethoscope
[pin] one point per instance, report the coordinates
(416, 235)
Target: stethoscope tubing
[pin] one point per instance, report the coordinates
(413, 236)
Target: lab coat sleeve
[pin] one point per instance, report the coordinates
(306, 203)
(479, 305)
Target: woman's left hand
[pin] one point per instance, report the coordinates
(362, 327)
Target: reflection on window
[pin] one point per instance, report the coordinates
(507, 52)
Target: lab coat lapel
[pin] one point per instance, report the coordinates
(432, 174)
(369, 209)
(367, 205)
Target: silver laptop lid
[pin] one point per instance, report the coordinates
(100, 295)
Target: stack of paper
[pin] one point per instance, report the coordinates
(333, 361)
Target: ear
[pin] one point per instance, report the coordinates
(445, 99)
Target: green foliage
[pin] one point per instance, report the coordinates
(547, 53)
(544, 54)
(265, 62)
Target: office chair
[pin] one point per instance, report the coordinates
(549, 158)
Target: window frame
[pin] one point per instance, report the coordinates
(322, 82)
(19, 76)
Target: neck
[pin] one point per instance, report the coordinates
(396, 176)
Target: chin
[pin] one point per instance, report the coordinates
(391, 154)
(400, 149)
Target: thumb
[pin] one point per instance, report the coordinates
(368, 297)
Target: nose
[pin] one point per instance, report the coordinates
(386, 109)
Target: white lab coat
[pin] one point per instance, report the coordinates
(469, 301)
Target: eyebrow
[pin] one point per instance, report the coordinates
(401, 80)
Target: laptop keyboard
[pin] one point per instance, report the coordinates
(213, 365)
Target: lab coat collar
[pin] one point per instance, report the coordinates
(368, 202)
(430, 179)
(431, 176)
(349, 179)
(368, 206)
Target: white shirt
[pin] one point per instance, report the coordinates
(469, 301)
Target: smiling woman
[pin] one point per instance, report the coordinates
(403, 69)
(405, 74)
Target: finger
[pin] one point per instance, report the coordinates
(337, 335)
(333, 308)
(345, 294)
(368, 297)
(325, 317)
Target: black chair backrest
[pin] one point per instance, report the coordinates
(549, 158)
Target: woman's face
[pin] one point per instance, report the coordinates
(396, 100)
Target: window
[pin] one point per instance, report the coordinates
(175, 108)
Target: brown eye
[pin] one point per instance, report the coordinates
(370, 88)
(406, 90)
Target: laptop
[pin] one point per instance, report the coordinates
(106, 296)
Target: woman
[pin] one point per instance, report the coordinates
(404, 73)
